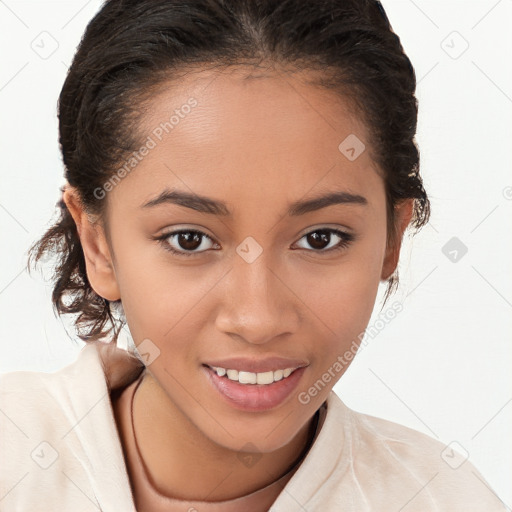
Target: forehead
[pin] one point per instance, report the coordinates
(238, 134)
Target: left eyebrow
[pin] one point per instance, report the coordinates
(208, 205)
(317, 203)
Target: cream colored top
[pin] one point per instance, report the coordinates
(60, 451)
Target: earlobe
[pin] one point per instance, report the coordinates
(403, 216)
(98, 260)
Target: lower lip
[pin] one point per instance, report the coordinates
(254, 397)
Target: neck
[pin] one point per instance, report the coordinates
(173, 449)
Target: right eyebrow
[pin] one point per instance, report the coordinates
(195, 202)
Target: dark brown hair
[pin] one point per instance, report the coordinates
(132, 46)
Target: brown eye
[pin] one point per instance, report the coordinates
(325, 240)
(189, 241)
(318, 239)
(186, 242)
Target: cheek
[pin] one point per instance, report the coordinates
(165, 301)
(343, 295)
(340, 298)
(341, 304)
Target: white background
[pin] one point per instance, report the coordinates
(442, 366)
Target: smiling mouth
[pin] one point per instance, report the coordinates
(262, 378)
(255, 391)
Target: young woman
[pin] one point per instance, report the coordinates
(240, 174)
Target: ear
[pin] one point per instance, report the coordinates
(98, 260)
(403, 215)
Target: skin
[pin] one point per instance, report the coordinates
(257, 145)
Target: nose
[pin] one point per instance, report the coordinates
(258, 304)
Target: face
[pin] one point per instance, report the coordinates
(242, 266)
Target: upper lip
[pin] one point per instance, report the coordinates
(257, 365)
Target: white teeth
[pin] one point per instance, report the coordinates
(264, 378)
(253, 378)
(232, 374)
(247, 378)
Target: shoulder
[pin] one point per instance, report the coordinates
(27, 395)
(98, 368)
(56, 432)
(429, 473)
(361, 462)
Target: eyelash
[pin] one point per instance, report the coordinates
(346, 240)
